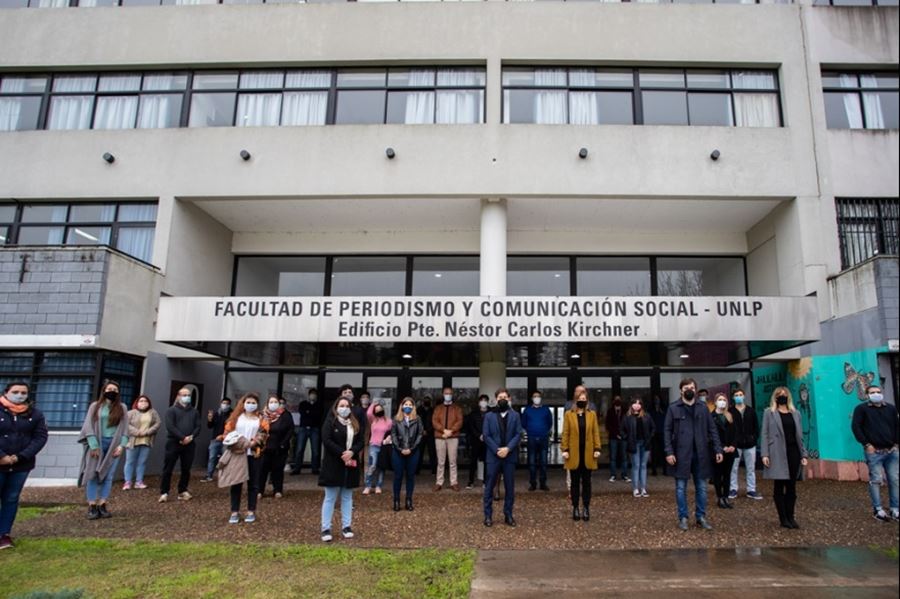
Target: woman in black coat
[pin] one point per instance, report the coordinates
(638, 431)
(343, 441)
(727, 435)
(281, 431)
(23, 433)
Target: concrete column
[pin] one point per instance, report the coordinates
(492, 266)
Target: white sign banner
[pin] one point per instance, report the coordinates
(501, 319)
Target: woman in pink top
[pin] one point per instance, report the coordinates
(379, 436)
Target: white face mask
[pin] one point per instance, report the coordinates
(721, 404)
(143, 406)
(483, 405)
(536, 401)
(876, 397)
(343, 412)
(448, 399)
(185, 400)
(250, 407)
(274, 405)
(225, 407)
(17, 398)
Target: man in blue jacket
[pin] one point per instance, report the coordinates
(689, 434)
(537, 420)
(502, 432)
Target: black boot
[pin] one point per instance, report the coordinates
(779, 505)
(93, 513)
(409, 505)
(576, 514)
(396, 504)
(721, 503)
(104, 513)
(789, 504)
(586, 513)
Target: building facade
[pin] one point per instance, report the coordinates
(333, 153)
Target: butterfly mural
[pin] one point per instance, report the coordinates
(858, 380)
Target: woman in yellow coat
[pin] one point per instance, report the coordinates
(580, 450)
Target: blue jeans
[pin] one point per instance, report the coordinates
(97, 489)
(136, 463)
(312, 434)
(748, 456)
(616, 457)
(699, 490)
(888, 462)
(331, 495)
(372, 468)
(11, 484)
(537, 458)
(639, 467)
(215, 452)
(404, 465)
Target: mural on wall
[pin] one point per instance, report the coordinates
(801, 384)
(856, 380)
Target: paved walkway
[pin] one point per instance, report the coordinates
(769, 572)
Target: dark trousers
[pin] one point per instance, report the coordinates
(254, 466)
(404, 466)
(313, 435)
(273, 465)
(657, 453)
(537, 459)
(476, 452)
(495, 467)
(581, 486)
(785, 496)
(722, 475)
(429, 448)
(175, 451)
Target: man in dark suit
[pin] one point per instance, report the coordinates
(502, 432)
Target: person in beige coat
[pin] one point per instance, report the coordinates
(233, 468)
(143, 423)
(580, 446)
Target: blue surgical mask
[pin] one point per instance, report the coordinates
(185, 399)
(876, 397)
(738, 399)
(17, 398)
(250, 407)
(407, 409)
(343, 412)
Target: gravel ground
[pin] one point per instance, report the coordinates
(829, 512)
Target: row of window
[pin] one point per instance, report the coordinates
(459, 276)
(128, 227)
(861, 100)
(94, 3)
(867, 227)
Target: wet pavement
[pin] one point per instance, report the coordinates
(744, 572)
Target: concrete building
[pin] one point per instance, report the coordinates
(734, 157)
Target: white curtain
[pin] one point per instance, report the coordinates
(304, 108)
(187, 2)
(53, 3)
(87, 3)
(753, 80)
(550, 105)
(157, 111)
(264, 80)
(872, 104)
(756, 110)
(458, 78)
(583, 108)
(419, 105)
(308, 79)
(10, 108)
(71, 112)
(136, 241)
(258, 110)
(163, 82)
(116, 112)
(459, 107)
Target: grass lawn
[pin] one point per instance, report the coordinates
(32, 512)
(120, 569)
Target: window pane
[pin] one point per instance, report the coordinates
(615, 78)
(360, 107)
(88, 236)
(368, 275)
(304, 108)
(164, 82)
(700, 276)
(137, 242)
(601, 276)
(460, 107)
(361, 78)
(710, 109)
(258, 110)
(119, 83)
(92, 213)
(240, 383)
(665, 108)
(518, 77)
(615, 108)
(881, 110)
(843, 111)
(7, 213)
(838, 80)
(216, 81)
(753, 80)
(537, 275)
(414, 108)
(70, 112)
(25, 85)
(159, 111)
(535, 106)
(44, 213)
(4, 235)
(300, 276)
(116, 112)
(307, 79)
(708, 79)
(40, 235)
(262, 80)
(881, 80)
(137, 213)
(63, 400)
(73, 84)
(756, 110)
(212, 110)
(445, 275)
(411, 78)
(661, 78)
(460, 77)
(19, 114)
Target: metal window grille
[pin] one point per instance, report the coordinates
(867, 227)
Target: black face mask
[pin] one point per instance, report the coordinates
(111, 395)
(503, 405)
(379, 413)
(688, 394)
(581, 404)
(781, 400)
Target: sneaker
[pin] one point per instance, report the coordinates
(347, 533)
(895, 515)
(6, 542)
(468, 486)
(126, 487)
(326, 536)
(612, 479)
(235, 518)
(636, 493)
(366, 491)
(185, 496)
(250, 518)
(704, 523)
(733, 494)
(644, 493)
(378, 490)
(164, 498)
(753, 495)
(140, 485)
(206, 479)
(682, 523)
(278, 495)
(626, 479)
(882, 515)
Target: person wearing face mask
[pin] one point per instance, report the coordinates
(23, 433)
(638, 431)
(722, 470)
(379, 440)
(105, 432)
(143, 423)
(309, 429)
(783, 453)
(502, 434)
(613, 423)
(407, 432)
(689, 432)
(537, 421)
(746, 434)
(447, 422)
(580, 445)
(253, 428)
(215, 421)
(182, 428)
(340, 465)
(704, 398)
(875, 426)
(474, 425)
(278, 443)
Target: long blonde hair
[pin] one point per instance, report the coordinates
(400, 415)
(574, 406)
(728, 415)
(773, 405)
